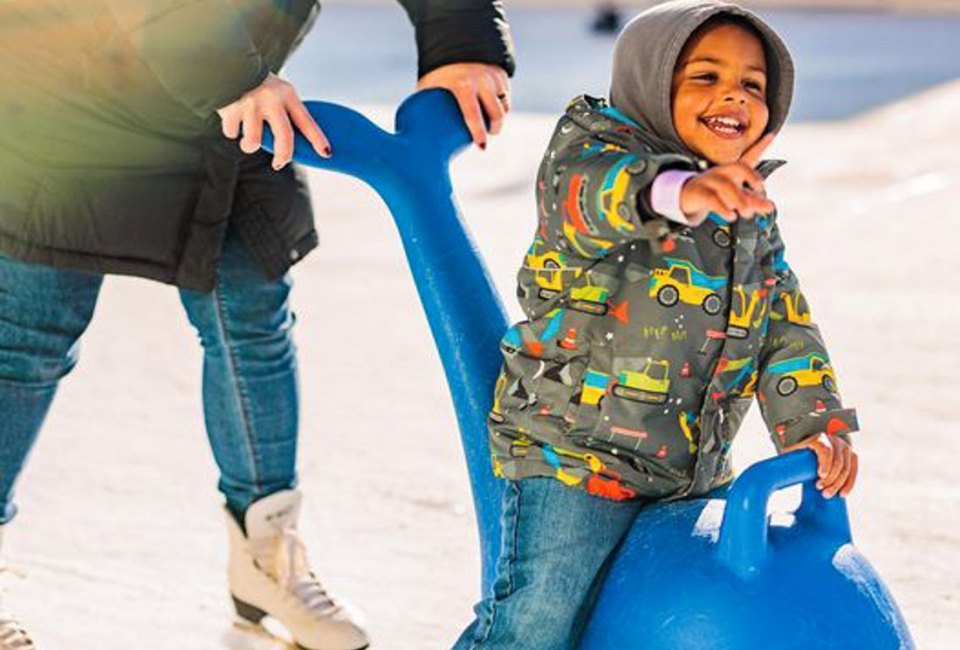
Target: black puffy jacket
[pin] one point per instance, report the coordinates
(111, 157)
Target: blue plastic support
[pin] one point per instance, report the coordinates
(743, 532)
(409, 169)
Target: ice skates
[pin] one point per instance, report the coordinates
(269, 576)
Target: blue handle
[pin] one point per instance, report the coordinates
(409, 169)
(743, 543)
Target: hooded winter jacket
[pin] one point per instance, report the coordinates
(111, 157)
(646, 341)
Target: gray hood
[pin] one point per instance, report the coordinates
(646, 54)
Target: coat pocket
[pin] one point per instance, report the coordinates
(534, 395)
(623, 404)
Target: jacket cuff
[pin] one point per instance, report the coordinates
(475, 36)
(658, 227)
(834, 422)
(665, 196)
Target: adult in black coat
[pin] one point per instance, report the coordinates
(110, 138)
(119, 122)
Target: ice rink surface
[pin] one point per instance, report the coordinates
(121, 537)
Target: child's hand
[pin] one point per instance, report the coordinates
(733, 191)
(836, 463)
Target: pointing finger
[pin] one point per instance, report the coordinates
(752, 155)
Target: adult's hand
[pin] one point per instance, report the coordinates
(275, 102)
(480, 88)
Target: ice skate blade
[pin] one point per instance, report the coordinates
(244, 635)
(248, 612)
(256, 621)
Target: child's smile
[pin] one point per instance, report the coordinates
(727, 125)
(719, 93)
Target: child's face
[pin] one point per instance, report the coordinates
(719, 93)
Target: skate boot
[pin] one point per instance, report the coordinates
(269, 576)
(12, 635)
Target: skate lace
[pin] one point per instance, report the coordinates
(293, 571)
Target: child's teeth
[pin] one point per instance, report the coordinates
(724, 124)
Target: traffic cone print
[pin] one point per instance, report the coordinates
(820, 406)
(662, 452)
(620, 311)
(569, 341)
(685, 370)
(835, 426)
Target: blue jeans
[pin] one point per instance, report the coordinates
(250, 394)
(554, 553)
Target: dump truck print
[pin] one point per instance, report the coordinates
(811, 370)
(683, 282)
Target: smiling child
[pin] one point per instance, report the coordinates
(658, 304)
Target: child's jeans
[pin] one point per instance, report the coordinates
(250, 393)
(554, 550)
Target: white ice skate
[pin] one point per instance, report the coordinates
(12, 634)
(269, 576)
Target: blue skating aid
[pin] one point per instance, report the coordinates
(714, 574)
(697, 574)
(410, 172)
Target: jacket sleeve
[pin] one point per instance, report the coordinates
(797, 386)
(592, 192)
(456, 31)
(200, 50)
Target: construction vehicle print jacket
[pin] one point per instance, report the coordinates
(645, 340)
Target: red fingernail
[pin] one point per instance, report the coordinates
(327, 152)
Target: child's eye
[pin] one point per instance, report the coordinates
(753, 85)
(705, 76)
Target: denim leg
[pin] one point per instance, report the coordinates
(250, 392)
(555, 543)
(43, 313)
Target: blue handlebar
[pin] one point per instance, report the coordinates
(743, 542)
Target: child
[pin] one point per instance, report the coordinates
(658, 304)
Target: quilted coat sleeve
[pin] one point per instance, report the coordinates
(797, 385)
(456, 31)
(592, 193)
(200, 50)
